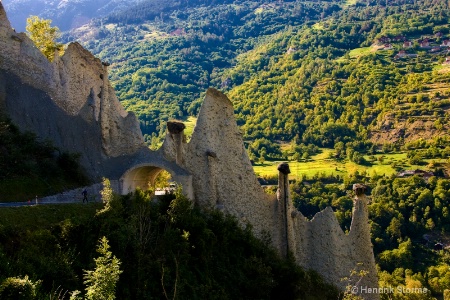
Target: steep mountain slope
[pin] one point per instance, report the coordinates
(68, 101)
(66, 14)
(294, 69)
(327, 89)
(161, 65)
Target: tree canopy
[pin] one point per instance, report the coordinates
(44, 36)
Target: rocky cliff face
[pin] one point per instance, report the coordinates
(69, 101)
(223, 176)
(391, 131)
(347, 260)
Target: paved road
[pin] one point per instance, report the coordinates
(33, 203)
(16, 204)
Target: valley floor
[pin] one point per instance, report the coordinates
(322, 164)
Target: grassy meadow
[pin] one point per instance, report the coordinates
(383, 164)
(190, 124)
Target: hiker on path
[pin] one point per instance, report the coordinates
(84, 196)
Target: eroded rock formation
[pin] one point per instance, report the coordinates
(71, 102)
(223, 178)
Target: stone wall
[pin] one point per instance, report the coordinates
(75, 195)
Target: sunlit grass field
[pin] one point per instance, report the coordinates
(322, 164)
(350, 2)
(358, 52)
(190, 124)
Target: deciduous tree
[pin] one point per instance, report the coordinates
(44, 36)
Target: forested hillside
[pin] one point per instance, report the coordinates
(329, 89)
(161, 66)
(294, 69)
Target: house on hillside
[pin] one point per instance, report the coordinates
(178, 32)
(425, 43)
(407, 44)
(399, 38)
(445, 43)
(438, 34)
(401, 54)
(384, 40)
(447, 61)
(291, 50)
(435, 49)
(388, 47)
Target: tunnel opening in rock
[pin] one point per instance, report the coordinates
(148, 178)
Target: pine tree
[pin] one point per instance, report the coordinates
(101, 283)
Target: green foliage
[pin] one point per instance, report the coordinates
(300, 151)
(163, 179)
(18, 288)
(29, 167)
(401, 211)
(101, 283)
(263, 148)
(439, 278)
(310, 199)
(162, 66)
(402, 280)
(167, 248)
(44, 36)
(69, 164)
(446, 294)
(321, 99)
(106, 194)
(400, 257)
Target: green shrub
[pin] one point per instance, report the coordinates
(16, 288)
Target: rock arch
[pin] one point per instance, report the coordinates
(140, 175)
